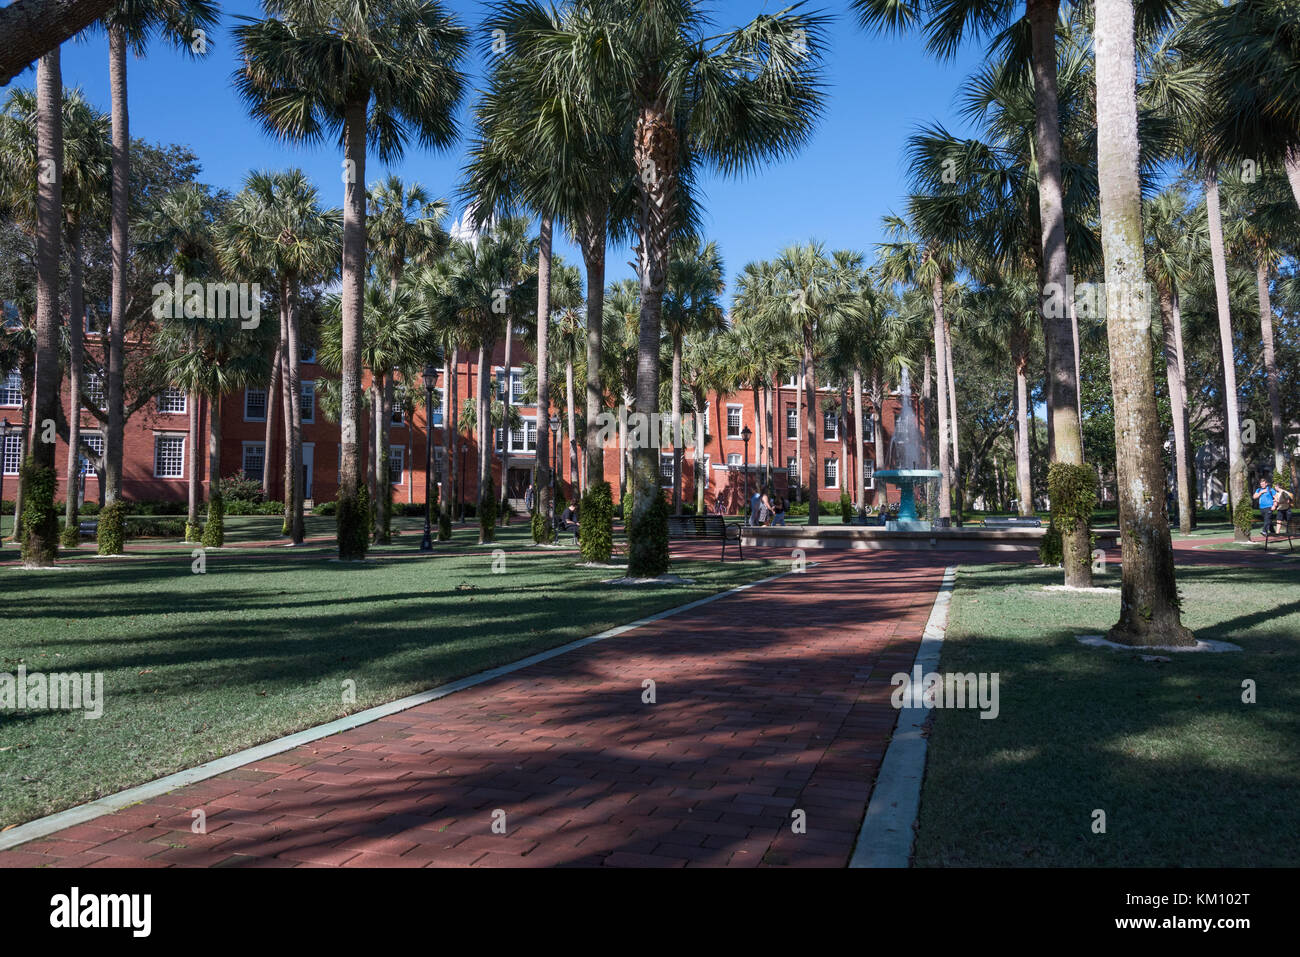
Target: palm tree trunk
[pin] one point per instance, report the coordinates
(859, 444)
(925, 405)
(120, 212)
(485, 433)
(595, 228)
(941, 378)
(383, 463)
(1149, 594)
(272, 408)
(351, 520)
(372, 449)
(195, 490)
(1024, 476)
(1078, 367)
(76, 357)
(503, 516)
(1236, 460)
(622, 451)
(958, 486)
(878, 428)
(701, 467)
(444, 496)
(1270, 365)
(542, 491)
(40, 542)
(677, 421)
(654, 150)
(572, 437)
(1182, 401)
(1292, 165)
(287, 389)
(214, 447)
(296, 531)
(798, 439)
(810, 423)
(1177, 408)
(842, 430)
(451, 434)
(1062, 400)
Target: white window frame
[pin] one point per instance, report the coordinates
(85, 467)
(102, 378)
(666, 458)
(13, 438)
(243, 459)
(740, 420)
(12, 384)
(158, 437)
(303, 389)
(529, 429)
(793, 472)
(869, 475)
(737, 463)
(830, 423)
(266, 404)
(172, 391)
(792, 415)
(437, 418)
(398, 476)
(826, 479)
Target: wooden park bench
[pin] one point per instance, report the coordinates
(89, 529)
(1282, 530)
(705, 527)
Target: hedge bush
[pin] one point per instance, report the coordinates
(648, 541)
(214, 530)
(194, 532)
(354, 524)
(1243, 515)
(1073, 491)
(112, 528)
(596, 523)
(487, 512)
(39, 524)
(71, 537)
(846, 508)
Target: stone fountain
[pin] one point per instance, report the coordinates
(906, 464)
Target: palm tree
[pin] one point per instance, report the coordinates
(691, 307)
(276, 226)
(366, 73)
(565, 351)
(403, 226)
(40, 528)
(1149, 612)
(731, 101)
(131, 25)
(179, 230)
(1175, 238)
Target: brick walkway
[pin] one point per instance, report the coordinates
(768, 701)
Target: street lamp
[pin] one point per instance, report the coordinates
(430, 377)
(745, 433)
(555, 453)
(4, 444)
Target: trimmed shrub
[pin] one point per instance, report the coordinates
(1242, 516)
(39, 524)
(354, 524)
(846, 508)
(238, 487)
(596, 523)
(150, 527)
(796, 508)
(194, 532)
(1050, 549)
(214, 530)
(326, 508)
(648, 541)
(112, 530)
(1073, 491)
(71, 536)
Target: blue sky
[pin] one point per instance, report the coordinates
(836, 190)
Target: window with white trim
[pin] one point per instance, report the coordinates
(169, 456)
(254, 405)
(397, 418)
(733, 421)
(666, 469)
(437, 413)
(171, 402)
(439, 462)
(869, 475)
(95, 389)
(792, 469)
(13, 451)
(733, 459)
(11, 389)
(254, 464)
(832, 473)
(524, 438)
(868, 428)
(308, 401)
(830, 427)
(792, 421)
(396, 463)
(95, 441)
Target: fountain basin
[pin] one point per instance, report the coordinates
(906, 480)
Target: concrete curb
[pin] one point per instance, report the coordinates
(44, 826)
(886, 836)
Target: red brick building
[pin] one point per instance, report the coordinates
(157, 454)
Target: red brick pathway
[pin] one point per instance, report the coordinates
(768, 701)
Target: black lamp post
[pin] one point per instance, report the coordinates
(555, 453)
(430, 377)
(745, 433)
(4, 444)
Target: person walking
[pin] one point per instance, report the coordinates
(1264, 497)
(778, 511)
(528, 498)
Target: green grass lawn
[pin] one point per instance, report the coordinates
(200, 665)
(1187, 774)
